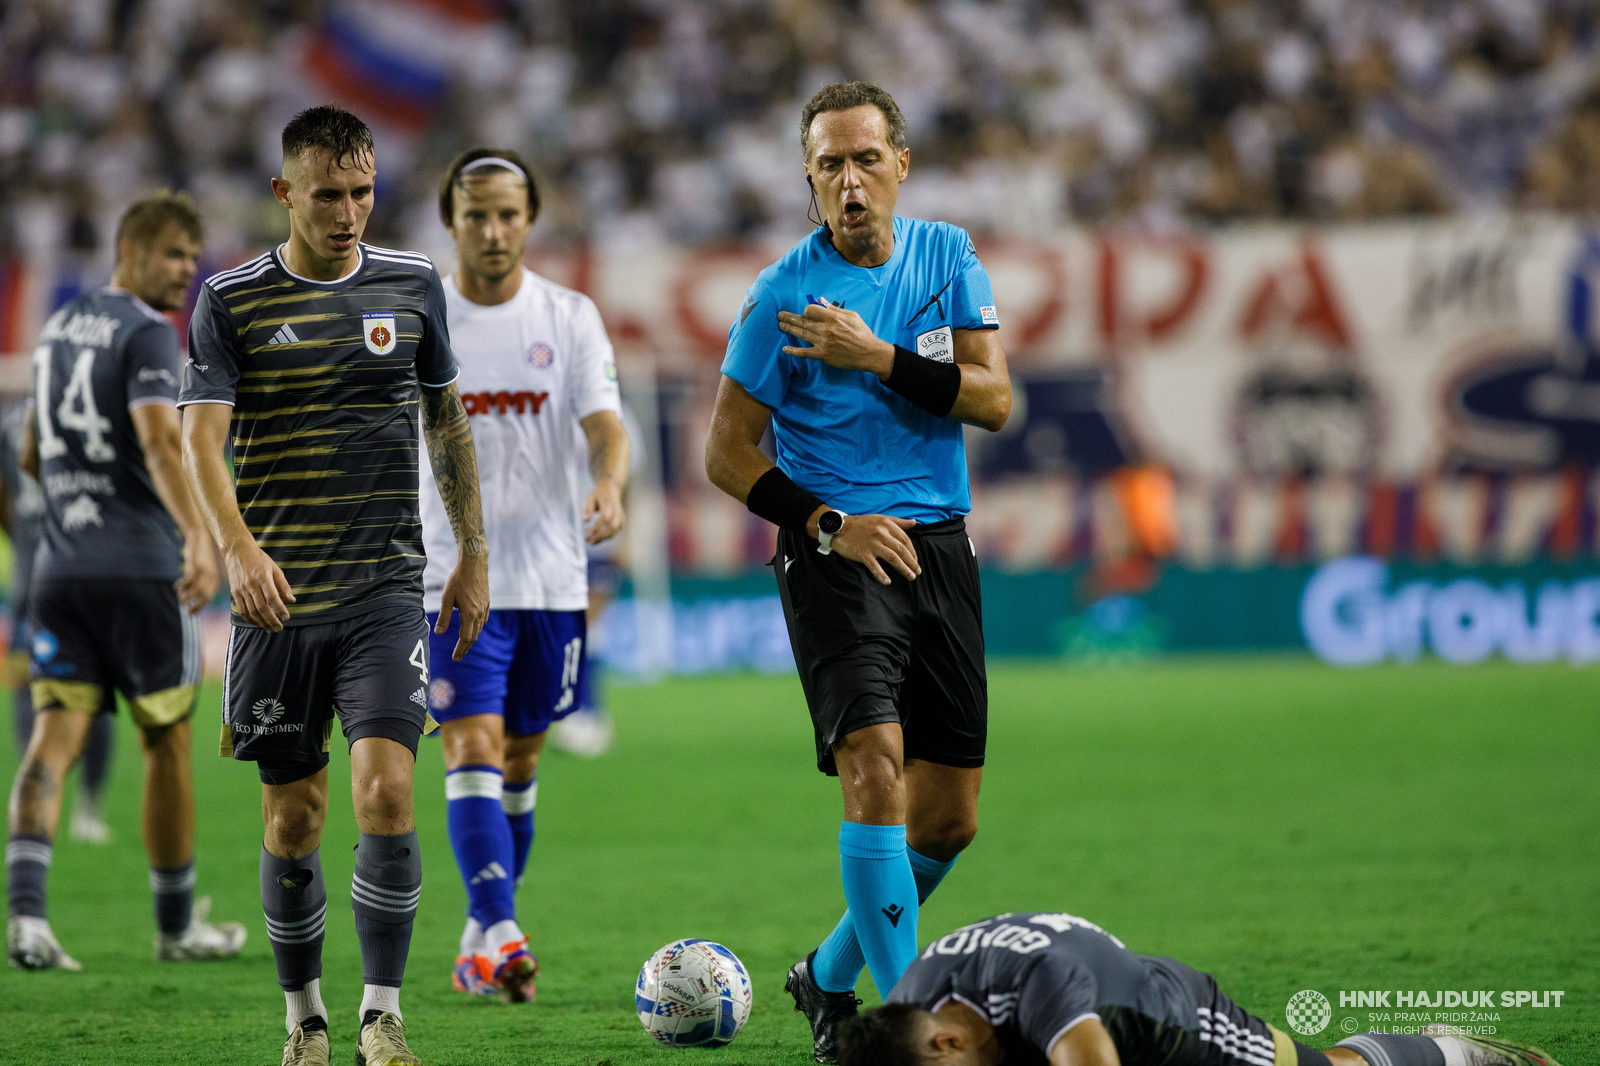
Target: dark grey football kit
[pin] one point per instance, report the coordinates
(323, 379)
(911, 652)
(103, 609)
(1034, 976)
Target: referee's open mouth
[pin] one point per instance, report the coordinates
(855, 213)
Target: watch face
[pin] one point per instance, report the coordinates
(830, 522)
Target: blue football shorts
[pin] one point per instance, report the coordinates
(529, 666)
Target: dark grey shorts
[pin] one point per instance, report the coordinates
(282, 691)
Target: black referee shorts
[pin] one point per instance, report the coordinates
(908, 652)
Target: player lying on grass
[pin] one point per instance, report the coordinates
(1041, 988)
(541, 388)
(123, 565)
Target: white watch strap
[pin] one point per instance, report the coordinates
(825, 540)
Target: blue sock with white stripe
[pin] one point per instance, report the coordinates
(838, 962)
(481, 841)
(881, 893)
(383, 892)
(518, 801)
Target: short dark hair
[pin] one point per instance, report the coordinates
(452, 178)
(147, 220)
(842, 96)
(333, 129)
(880, 1037)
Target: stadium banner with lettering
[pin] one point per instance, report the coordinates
(1424, 395)
(1352, 611)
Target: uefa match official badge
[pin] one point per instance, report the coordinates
(377, 329)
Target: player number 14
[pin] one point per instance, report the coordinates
(77, 410)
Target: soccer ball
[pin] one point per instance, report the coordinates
(693, 992)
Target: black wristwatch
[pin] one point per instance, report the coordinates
(828, 525)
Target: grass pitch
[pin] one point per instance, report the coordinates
(1279, 823)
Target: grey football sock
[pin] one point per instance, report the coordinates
(96, 758)
(296, 905)
(384, 894)
(22, 717)
(1394, 1049)
(173, 888)
(27, 866)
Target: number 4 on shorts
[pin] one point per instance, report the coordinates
(419, 659)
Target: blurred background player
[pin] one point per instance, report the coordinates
(117, 583)
(539, 380)
(1048, 988)
(22, 514)
(320, 356)
(589, 731)
(892, 344)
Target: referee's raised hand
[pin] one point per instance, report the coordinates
(875, 539)
(837, 337)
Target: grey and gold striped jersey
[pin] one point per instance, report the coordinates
(323, 379)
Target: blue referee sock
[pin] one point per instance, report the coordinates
(838, 962)
(881, 892)
(518, 801)
(481, 840)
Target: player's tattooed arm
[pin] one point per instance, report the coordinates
(455, 465)
(455, 470)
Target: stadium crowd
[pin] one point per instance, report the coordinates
(675, 119)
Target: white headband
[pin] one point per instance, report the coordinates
(493, 161)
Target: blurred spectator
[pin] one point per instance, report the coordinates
(675, 118)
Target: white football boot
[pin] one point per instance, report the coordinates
(203, 939)
(584, 733)
(87, 827)
(30, 945)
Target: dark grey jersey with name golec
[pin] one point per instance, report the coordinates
(1035, 975)
(99, 357)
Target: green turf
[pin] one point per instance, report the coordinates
(1277, 823)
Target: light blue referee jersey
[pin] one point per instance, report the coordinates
(842, 434)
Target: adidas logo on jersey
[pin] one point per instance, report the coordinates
(493, 872)
(420, 698)
(285, 335)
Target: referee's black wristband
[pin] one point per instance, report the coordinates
(930, 385)
(781, 502)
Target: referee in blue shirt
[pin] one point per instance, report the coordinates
(865, 348)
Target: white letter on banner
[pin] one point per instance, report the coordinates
(1403, 616)
(1584, 627)
(1341, 611)
(1462, 621)
(1542, 641)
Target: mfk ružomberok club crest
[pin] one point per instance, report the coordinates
(377, 329)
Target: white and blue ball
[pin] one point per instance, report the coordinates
(693, 993)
